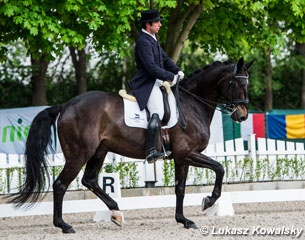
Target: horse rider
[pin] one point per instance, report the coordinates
(153, 67)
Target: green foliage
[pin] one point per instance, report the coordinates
(56, 170)
(108, 74)
(287, 74)
(60, 89)
(201, 176)
(47, 26)
(14, 77)
(280, 169)
(262, 170)
(191, 60)
(128, 174)
(7, 176)
(168, 173)
(235, 28)
(109, 168)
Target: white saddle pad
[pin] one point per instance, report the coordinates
(134, 117)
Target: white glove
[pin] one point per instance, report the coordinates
(173, 83)
(181, 74)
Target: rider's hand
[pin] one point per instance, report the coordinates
(173, 83)
(181, 74)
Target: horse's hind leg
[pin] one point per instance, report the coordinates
(90, 180)
(60, 186)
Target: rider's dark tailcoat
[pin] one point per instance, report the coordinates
(152, 63)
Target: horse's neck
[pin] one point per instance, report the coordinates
(201, 110)
(208, 95)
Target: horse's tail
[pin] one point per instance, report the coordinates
(37, 175)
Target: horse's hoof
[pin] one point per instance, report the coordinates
(69, 230)
(206, 203)
(186, 222)
(117, 217)
(190, 225)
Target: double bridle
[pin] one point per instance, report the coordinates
(231, 106)
(226, 108)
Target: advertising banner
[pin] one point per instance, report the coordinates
(14, 128)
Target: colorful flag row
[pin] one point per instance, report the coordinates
(286, 126)
(275, 126)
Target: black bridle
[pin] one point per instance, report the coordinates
(232, 106)
(226, 108)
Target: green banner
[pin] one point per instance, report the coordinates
(231, 129)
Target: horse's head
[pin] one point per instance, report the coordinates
(233, 87)
(221, 80)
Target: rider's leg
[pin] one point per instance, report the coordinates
(152, 137)
(155, 107)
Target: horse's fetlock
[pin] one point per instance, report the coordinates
(216, 195)
(179, 218)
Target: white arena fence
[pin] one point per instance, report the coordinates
(255, 160)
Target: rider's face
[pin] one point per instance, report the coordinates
(154, 27)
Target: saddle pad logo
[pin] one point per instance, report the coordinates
(137, 118)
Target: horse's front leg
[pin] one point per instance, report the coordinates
(200, 160)
(181, 172)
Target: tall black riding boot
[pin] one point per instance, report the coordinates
(152, 137)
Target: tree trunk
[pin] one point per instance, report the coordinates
(80, 65)
(124, 69)
(300, 49)
(179, 26)
(38, 80)
(268, 81)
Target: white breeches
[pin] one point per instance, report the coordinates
(155, 100)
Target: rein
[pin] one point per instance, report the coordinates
(183, 123)
(228, 108)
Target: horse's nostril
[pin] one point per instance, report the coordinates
(242, 119)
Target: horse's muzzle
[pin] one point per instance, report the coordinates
(239, 113)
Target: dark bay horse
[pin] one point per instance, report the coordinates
(92, 124)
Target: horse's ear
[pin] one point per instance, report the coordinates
(248, 65)
(240, 64)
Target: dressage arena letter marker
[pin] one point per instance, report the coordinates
(110, 183)
(106, 183)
